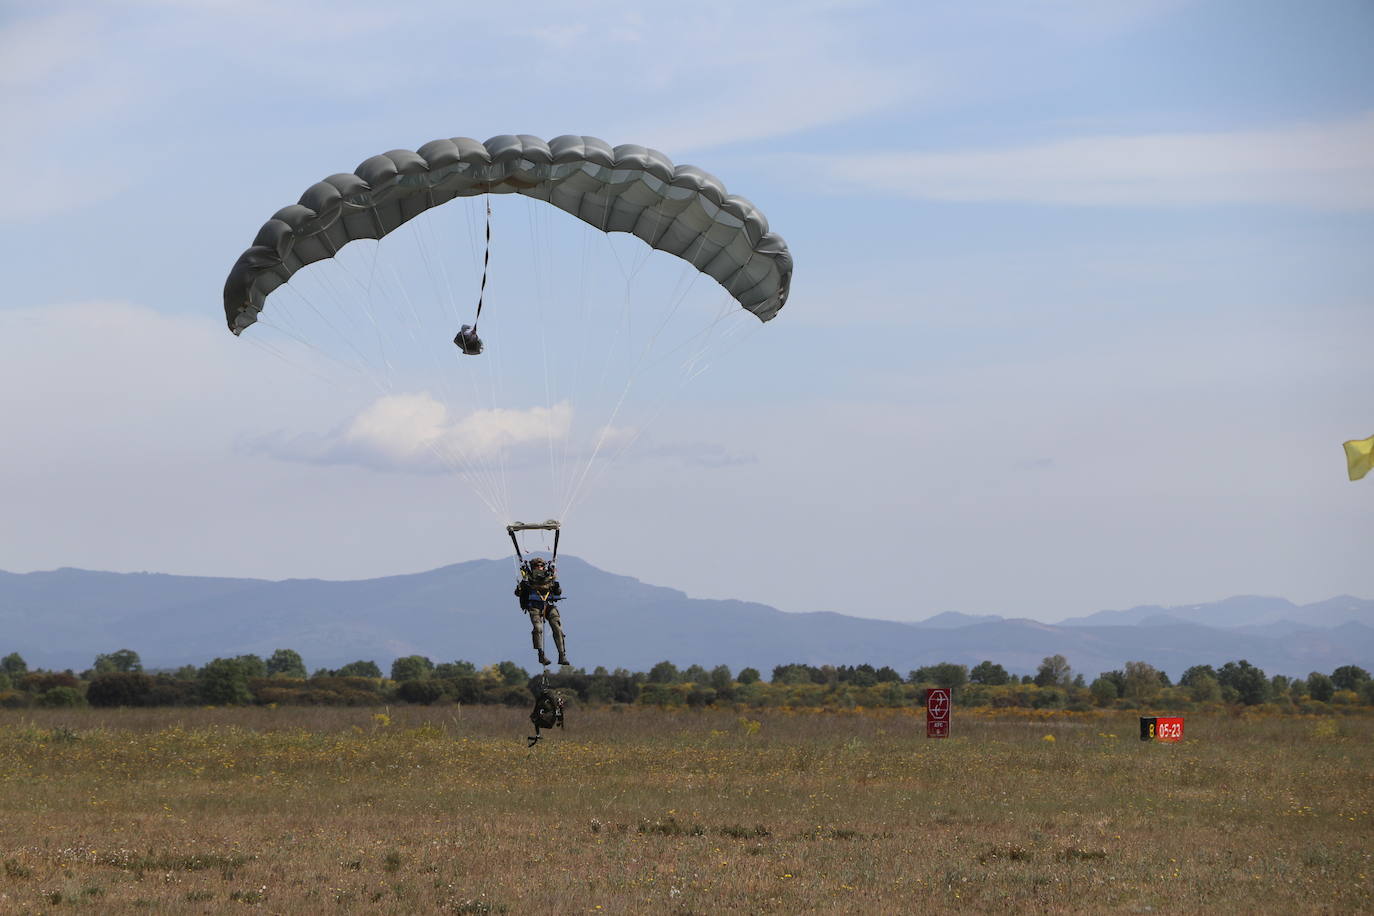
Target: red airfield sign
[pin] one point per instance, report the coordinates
(1161, 728)
(937, 712)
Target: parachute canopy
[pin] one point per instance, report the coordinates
(678, 209)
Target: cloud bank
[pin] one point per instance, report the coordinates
(1326, 166)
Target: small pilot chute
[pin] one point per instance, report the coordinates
(467, 340)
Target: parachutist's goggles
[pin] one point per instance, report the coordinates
(468, 341)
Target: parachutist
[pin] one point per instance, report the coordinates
(539, 592)
(468, 341)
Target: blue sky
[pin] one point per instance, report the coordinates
(1081, 313)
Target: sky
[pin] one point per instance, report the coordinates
(1081, 314)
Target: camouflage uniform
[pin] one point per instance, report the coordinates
(539, 584)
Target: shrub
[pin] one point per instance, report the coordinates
(317, 691)
(1345, 698)
(286, 663)
(515, 696)
(117, 688)
(701, 696)
(419, 691)
(411, 668)
(14, 665)
(224, 682)
(171, 691)
(40, 681)
(462, 689)
(663, 694)
(61, 697)
(359, 669)
(15, 699)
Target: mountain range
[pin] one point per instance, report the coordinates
(63, 618)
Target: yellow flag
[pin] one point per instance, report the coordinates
(1359, 454)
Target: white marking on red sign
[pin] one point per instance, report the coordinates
(1161, 728)
(937, 712)
(1168, 729)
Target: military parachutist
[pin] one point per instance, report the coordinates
(539, 591)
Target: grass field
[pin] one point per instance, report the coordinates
(422, 809)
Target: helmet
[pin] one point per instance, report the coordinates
(537, 561)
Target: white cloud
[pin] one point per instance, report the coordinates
(1325, 166)
(415, 433)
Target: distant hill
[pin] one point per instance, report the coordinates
(1241, 611)
(64, 618)
(952, 619)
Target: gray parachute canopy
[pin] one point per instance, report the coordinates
(678, 209)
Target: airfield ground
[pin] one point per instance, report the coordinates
(634, 810)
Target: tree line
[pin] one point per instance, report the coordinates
(119, 679)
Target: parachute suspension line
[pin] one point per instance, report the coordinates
(276, 352)
(369, 298)
(492, 468)
(635, 362)
(495, 368)
(450, 451)
(458, 460)
(337, 294)
(366, 368)
(446, 308)
(543, 293)
(637, 368)
(363, 368)
(728, 310)
(567, 470)
(371, 304)
(492, 473)
(432, 253)
(624, 391)
(488, 394)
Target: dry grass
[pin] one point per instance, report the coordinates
(425, 810)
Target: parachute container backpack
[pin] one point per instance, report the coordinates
(547, 713)
(603, 280)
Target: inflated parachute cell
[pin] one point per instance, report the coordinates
(678, 209)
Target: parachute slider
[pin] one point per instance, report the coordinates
(468, 341)
(550, 525)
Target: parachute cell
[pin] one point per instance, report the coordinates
(678, 209)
